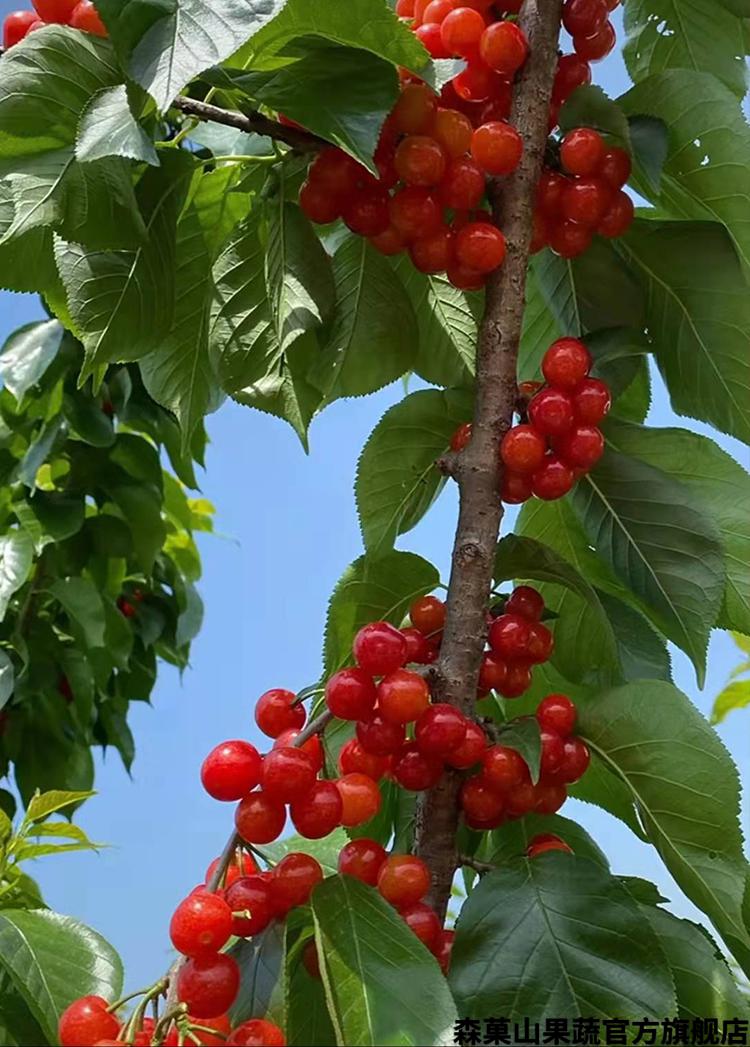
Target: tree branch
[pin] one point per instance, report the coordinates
(478, 469)
(252, 122)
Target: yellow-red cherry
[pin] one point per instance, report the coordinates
(403, 879)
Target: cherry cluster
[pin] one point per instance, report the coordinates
(503, 788)
(558, 439)
(79, 14)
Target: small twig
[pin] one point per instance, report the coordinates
(252, 122)
(448, 463)
(475, 864)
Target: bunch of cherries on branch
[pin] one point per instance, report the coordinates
(79, 14)
(400, 734)
(436, 151)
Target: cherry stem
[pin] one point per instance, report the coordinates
(475, 864)
(149, 993)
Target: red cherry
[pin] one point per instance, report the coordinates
(615, 168)
(462, 186)
(287, 774)
(497, 147)
(598, 45)
(444, 950)
(318, 204)
(312, 747)
(541, 643)
(87, 1021)
(618, 218)
(317, 814)
(257, 1032)
(360, 798)
(125, 607)
(552, 753)
(242, 864)
(416, 771)
(504, 48)
(550, 796)
(572, 72)
(582, 151)
(546, 842)
(86, 17)
(576, 760)
(557, 713)
(503, 769)
(389, 242)
(379, 736)
(581, 17)
(259, 819)
(440, 730)
(480, 802)
(353, 759)
(525, 601)
(591, 401)
(568, 239)
(295, 877)
(461, 437)
(522, 449)
(403, 880)
(201, 924)
(437, 10)
(424, 922)
(415, 212)
(366, 214)
(518, 680)
(434, 253)
(549, 192)
(231, 770)
(566, 363)
(586, 201)
(414, 111)
(461, 31)
(551, 411)
(480, 247)
(582, 447)
(251, 894)
(379, 648)
(17, 25)
(476, 83)
(208, 985)
(516, 488)
(428, 615)
(419, 649)
(350, 694)
(420, 160)
(470, 750)
(311, 960)
(432, 39)
(553, 480)
(336, 173)
(466, 279)
(362, 859)
(402, 696)
(521, 800)
(493, 672)
(275, 712)
(452, 130)
(509, 637)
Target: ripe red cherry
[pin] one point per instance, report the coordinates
(275, 712)
(318, 813)
(440, 730)
(497, 147)
(257, 1032)
(462, 186)
(541, 643)
(379, 648)
(312, 747)
(553, 480)
(17, 25)
(318, 204)
(296, 876)
(362, 859)
(509, 636)
(431, 37)
(525, 601)
(242, 864)
(546, 842)
(380, 736)
(311, 960)
(416, 771)
(419, 649)
(591, 401)
(551, 411)
(515, 488)
(504, 48)
(480, 246)
(461, 437)
(453, 131)
(424, 922)
(521, 800)
(582, 447)
(556, 713)
(414, 110)
(437, 10)
(566, 363)
(598, 45)
(481, 802)
(86, 17)
(503, 768)
(251, 894)
(618, 218)
(403, 880)
(572, 72)
(471, 748)
(389, 242)
(586, 201)
(208, 985)
(522, 449)
(335, 172)
(434, 253)
(366, 213)
(287, 774)
(615, 168)
(353, 759)
(231, 770)
(428, 615)
(550, 796)
(259, 819)
(461, 31)
(552, 753)
(549, 192)
(350, 694)
(420, 160)
(493, 672)
(576, 760)
(466, 279)
(568, 239)
(415, 212)
(201, 924)
(360, 798)
(476, 83)
(444, 950)
(86, 1021)
(402, 696)
(582, 17)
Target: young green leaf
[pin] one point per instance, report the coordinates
(42, 805)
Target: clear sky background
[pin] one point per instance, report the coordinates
(288, 529)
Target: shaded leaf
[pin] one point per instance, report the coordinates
(511, 840)
(261, 962)
(108, 128)
(27, 353)
(84, 607)
(16, 557)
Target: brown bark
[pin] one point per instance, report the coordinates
(252, 123)
(477, 468)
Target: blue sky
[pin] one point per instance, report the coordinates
(288, 529)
